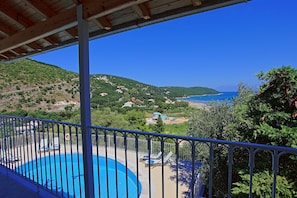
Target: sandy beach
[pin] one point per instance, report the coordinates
(198, 105)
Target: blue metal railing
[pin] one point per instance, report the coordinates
(28, 148)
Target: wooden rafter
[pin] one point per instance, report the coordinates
(142, 11)
(42, 7)
(42, 29)
(105, 23)
(18, 17)
(59, 22)
(14, 14)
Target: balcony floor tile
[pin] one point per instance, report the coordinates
(10, 188)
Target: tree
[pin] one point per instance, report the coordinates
(270, 117)
(159, 127)
(136, 120)
(243, 124)
(105, 117)
(274, 108)
(212, 122)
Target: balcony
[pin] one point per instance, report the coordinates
(48, 155)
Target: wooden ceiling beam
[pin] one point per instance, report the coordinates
(19, 51)
(196, 2)
(73, 32)
(41, 7)
(97, 22)
(14, 14)
(40, 30)
(52, 40)
(6, 29)
(61, 22)
(21, 19)
(34, 46)
(93, 11)
(14, 52)
(9, 54)
(142, 10)
(105, 22)
(145, 10)
(44, 9)
(5, 57)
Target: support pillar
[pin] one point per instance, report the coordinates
(85, 108)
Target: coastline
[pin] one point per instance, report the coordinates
(203, 101)
(181, 98)
(198, 105)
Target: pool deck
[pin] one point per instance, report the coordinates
(155, 173)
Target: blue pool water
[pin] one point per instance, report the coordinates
(66, 172)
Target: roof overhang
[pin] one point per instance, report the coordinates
(30, 27)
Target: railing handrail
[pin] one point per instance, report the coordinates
(205, 140)
(179, 137)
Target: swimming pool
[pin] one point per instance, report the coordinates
(64, 174)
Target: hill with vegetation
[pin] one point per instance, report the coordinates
(189, 91)
(30, 85)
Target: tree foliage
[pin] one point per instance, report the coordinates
(159, 127)
(136, 120)
(106, 118)
(213, 122)
(275, 107)
(267, 117)
(262, 187)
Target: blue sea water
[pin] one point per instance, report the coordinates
(221, 97)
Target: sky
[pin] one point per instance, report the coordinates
(217, 49)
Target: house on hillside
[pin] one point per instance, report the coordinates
(128, 104)
(119, 90)
(103, 94)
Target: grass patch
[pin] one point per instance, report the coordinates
(176, 129)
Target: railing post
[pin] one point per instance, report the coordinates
(193, 168)
(211, 158)
(230, 164)
(275, 169)
(251, 167)
(85, 109)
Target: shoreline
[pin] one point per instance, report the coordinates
(198, 105)
(181, 98)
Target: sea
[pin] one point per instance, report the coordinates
(221, 97)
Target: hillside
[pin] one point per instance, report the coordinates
(31, 85)
(189, 91)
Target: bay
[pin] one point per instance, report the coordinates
(221, 97)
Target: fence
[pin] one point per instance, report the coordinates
(119, 168)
